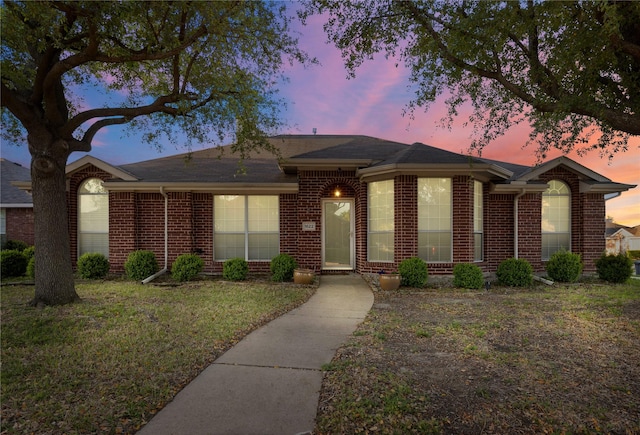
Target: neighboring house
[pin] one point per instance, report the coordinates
(621, 239)
(338, 203)
(16, 206)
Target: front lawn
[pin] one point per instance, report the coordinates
(563, 359)
(108, 363)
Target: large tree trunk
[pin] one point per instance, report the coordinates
(53, 273)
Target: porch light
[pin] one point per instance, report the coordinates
(337, 193)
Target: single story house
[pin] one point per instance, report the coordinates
(338, 203)
(621, 239)
(16, 205)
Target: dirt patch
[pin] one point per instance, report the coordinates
(543, 360)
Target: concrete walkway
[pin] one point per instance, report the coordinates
(269, 383)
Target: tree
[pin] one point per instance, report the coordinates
(571, 69)
(206, 69)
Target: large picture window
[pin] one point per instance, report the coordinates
(434, 219)
(246, 227)
(93, 218)
(381, 223)
(556, 219)
(478, 221)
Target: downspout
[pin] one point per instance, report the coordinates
(515, 222)
(166, 239)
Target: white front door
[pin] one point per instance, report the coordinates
(338, 234)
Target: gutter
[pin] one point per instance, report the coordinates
(166, 239)
(516, 221)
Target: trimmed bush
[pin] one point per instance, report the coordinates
(141, 264)
(414, 272)
(31, 268)
(93, 265)
(12, 263)
(516, 272)
(614, 268)
(235, 269)
(564, 266)
(186, 267)
(29, 252)
(467, 275)
(15, 245)
(282, 267)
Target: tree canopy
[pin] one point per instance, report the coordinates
(205, 69)
(570, 69)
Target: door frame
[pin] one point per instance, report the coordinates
(352, 232)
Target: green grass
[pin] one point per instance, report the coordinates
(108, 363)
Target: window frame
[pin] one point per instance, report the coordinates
(390, 234)
(546, 252)
(478, 221)
(80, 232)
(247, 232)
(448, 231)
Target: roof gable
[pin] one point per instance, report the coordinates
(87, 160)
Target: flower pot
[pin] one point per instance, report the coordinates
(303, 276)
(389, 281)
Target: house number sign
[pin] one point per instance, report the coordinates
(308, 226)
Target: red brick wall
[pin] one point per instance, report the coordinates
(137, 222)
(529, 229)
(498, 229)
(20, 224)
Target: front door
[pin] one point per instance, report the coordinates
(337, 234)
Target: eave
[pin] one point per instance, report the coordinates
(216, 188)
(481, 172)
(604, 187)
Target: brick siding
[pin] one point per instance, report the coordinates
(19, 223)
(136, 221)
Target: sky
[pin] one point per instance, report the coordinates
(372, 104)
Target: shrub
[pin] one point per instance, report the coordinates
(414, 272)
(29, 252)
(15, 245)
(614, 268)
(235, 269)
(12, 263)
(467, 275)
(564, 266)
(634, 254)
(515, 272)
(282, 267)
(93, 266)
(141, 265)
(186, 267)
(31, 268)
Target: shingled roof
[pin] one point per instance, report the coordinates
(11, 196)
(219, 169)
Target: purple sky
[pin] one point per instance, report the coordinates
(372, 104)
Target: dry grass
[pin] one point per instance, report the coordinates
(561, 359)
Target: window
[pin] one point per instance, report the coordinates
(246, 226)
(556, 217)
(93, 218)
(381, 221)
(478, 221)
(434, 219)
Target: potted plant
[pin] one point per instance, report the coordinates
(303, 276)
(389, 281)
